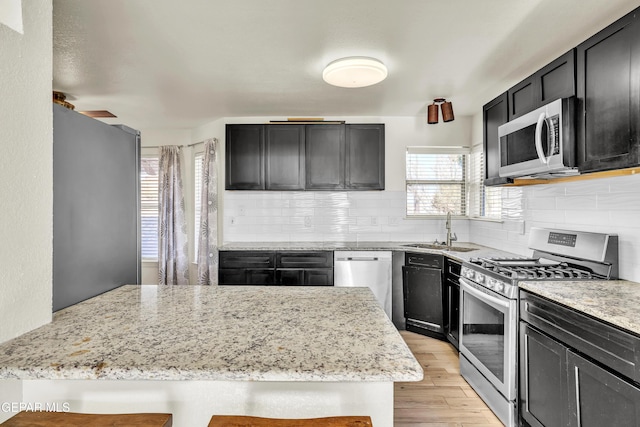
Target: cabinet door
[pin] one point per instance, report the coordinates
(284, 157)
(523, 97)
(365, 157)
(325, 157)
(453, 313)
(423, 296)
(494, 114)
(452, 301)
(232, 276)
(599, 398)
(290, 277)
(318, 277)
(304, 277)
(257, 276)
(543, 379)
(608, 90)
(557, 79)
(244, 155)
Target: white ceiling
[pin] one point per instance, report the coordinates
(181, 64)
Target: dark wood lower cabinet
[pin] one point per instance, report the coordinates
(452, 305)
(246, 276)
(598, 397)
(575, 370)
(305, 277)
(288, 268)
(543, 379)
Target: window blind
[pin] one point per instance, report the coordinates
(484, 202)
(149, 206)
(436, 181)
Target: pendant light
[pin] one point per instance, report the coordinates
(354, 71)
(445, 106)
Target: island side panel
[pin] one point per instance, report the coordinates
(192, 403)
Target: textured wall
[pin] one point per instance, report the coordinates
(26, 168)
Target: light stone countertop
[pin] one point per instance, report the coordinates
(243, 333)
(614, 301)
(480, 251)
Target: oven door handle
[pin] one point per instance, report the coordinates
(467, 287)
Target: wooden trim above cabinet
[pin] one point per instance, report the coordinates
(585, 177)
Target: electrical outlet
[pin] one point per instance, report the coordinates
(374, 220)
(242, 211)
(394, 220)
(307, 221)
(233, 221)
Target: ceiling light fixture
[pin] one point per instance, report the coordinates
(447, 111)
(354, 71)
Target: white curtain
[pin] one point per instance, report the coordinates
(208, 235)
(173, 261)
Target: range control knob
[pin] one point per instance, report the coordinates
(499, 286)
(479, 277)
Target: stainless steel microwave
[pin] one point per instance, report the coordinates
(540, 143)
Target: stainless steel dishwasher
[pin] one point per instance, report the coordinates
(370, 269)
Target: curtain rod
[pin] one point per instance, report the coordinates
(188, 145)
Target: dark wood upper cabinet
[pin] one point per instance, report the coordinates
(284, 161)
(305, 157)
(555, 80)
(244, 155)
(608, 90)
(522, 98)
(364, 157)
(325, 157)
(494, 114)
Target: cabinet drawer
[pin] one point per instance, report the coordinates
(247, 259)
(304, 259)
(424, 260)
(604, 343)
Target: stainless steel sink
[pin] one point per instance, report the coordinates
(440, 247)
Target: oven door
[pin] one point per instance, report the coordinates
(488, 325)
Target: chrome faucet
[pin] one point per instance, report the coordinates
(450, 238)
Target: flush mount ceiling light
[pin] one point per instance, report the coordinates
(354, 71)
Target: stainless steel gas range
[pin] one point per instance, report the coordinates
(489, 305)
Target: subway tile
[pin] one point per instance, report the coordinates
(587, 187)
(626, 218)
(582, 217)
(620, 201)
(584, 202)
(540, 203)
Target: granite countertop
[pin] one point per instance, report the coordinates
(614, 301)
(244, 333)
(479, 251)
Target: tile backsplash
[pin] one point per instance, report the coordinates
(607, 205)
(328, 216)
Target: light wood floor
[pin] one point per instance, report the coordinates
(443, 398)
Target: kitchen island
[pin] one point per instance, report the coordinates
(196, 351)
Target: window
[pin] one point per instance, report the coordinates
(484, 202)
(436, 181)
(149, 206)
(198, 161)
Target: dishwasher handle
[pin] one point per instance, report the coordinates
(354, 258)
